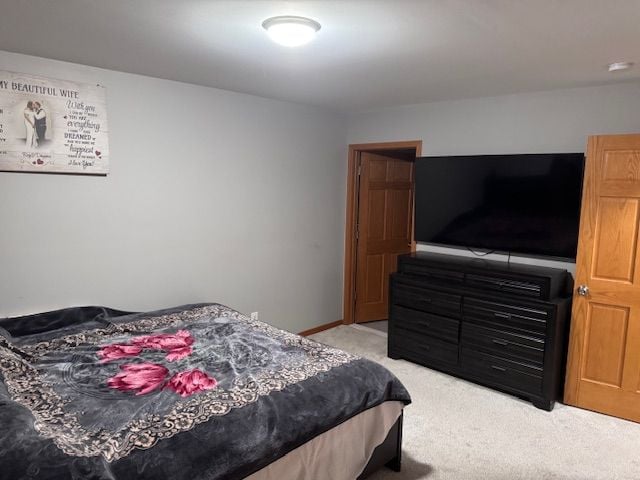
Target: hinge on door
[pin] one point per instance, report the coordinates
(359, 169)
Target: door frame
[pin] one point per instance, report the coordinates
(351, 216)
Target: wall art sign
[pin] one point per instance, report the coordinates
(49, 125)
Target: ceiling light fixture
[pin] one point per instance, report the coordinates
(291, 31)
(617, 66)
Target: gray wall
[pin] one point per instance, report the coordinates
(212, 196)
(555, 121)
(218, 196)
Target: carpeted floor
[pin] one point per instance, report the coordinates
(380, 325)
(456, 430)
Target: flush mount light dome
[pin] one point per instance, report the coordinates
(291, 31)
(617, 66)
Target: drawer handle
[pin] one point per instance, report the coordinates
(425, 300)
(502, 315)
(500, 369)
(498, 341)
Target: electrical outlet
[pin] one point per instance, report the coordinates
(254, 315)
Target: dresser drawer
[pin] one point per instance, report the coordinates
(503, 344)
(425, 323)
(531, 288)
(507, 373)
(426, 299)
(423, 349)
(429, 273)
(507, 316)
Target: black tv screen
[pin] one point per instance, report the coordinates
(522, 204)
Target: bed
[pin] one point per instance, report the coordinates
(193, 392)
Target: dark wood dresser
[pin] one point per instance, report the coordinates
(498, 324)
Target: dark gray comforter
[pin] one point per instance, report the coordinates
(195, 392)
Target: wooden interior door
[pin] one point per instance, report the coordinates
(603, 369)
(385, 215)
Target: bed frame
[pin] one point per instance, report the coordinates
(388, 453)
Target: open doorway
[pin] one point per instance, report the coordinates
(379, 224)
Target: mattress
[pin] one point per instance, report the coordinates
(340, 453)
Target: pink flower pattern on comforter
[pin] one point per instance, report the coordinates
(145, 378)
(116, 352)
(190, 382)
(178, 345)
(142, 377)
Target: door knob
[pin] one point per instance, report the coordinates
(583, 290)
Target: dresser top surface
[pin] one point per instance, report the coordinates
(466, 263)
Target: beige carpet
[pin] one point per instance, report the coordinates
(456, 430)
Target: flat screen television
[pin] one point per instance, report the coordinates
(523, 204)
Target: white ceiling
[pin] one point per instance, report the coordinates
(368, 53)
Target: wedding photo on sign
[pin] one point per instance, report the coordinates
(49, 125)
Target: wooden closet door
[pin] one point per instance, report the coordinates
(385, 213)
(603, 370)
